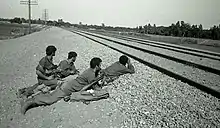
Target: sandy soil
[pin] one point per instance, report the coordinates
(19, 58)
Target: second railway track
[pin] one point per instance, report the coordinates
(174, 47)
(214, 56)
(205, 64)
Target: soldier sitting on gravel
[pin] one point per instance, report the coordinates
(65, 68)
(45, 71)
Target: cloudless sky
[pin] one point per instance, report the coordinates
(128, 13)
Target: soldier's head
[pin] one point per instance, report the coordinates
(50, 50)
(123, 60)
(95, 63)
(72, 55)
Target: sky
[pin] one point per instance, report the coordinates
(126, 13)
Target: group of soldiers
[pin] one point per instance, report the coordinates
(86, 87)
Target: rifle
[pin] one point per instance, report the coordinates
(91, 84)
(67, 98)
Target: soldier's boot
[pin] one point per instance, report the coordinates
(25, 105)
(20, 92)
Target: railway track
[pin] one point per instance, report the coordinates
(212, 55)
(203, 77)
(173, 47)
(207, 67)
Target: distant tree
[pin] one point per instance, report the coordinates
(154, 30)
(23, 20)
(195, 31)
(215, 32)
(103, 25)
(140, 29)
(188, 30)
(16, 20)
(67, 24)
(178, 24)
(183, 29)
(137, 29)
(200, 27)
(177, 29)
(200, 31)
(166, 31)
(145, 29)
(2, 19)
(149, 28)
(51, 23)
(173, 30)
(34, 21)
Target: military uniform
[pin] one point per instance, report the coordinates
(47, 65)
(87, 77)
(75, 85)
(116, 69)
(66, 68)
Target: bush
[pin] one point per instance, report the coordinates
(16, 20)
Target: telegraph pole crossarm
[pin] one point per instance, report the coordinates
(29, 3)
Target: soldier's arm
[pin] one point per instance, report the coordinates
(63, 68)
(40, 68)
(131, 68)
(39, 71)
(40, 74)
(73, 70)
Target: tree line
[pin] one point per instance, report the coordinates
(182, 29)
(179, 29)
(36, 21)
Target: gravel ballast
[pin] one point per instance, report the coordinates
(200, 76)
(147, 98)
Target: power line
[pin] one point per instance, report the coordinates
(45, 15)
(29, 3)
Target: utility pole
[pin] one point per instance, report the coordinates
(45, 16)
(29, 3)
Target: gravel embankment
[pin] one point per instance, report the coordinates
(147, 98)
(152, 99)
(192, 73)
(194, 59)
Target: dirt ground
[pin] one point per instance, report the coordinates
(19, 58)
